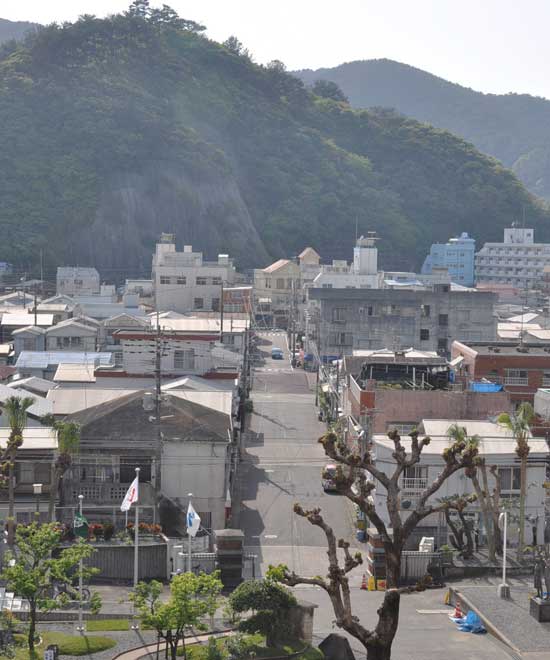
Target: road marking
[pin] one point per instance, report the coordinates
(447, 611)
(269, 471)
(270, 536)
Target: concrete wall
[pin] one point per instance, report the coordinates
(372, 319)
(201, 468)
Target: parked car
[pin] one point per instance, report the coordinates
(328, 477)
(277, 353)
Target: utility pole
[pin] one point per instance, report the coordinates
(221, 315)
(158, 393)
(35, 310)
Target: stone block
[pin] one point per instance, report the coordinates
(336, 647)
(540, 610)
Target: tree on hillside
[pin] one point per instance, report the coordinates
(233, 45)
(192, 597)
(16, 410)
(329, 90)
(40, 564)
(519, 424)
(68, 444)
(163, 17)
(356, 476)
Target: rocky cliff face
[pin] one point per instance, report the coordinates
(136, 209)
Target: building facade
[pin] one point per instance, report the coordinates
(518, 261)
(74, 281)
(457, 256)
(344, 320)
(277, 289)
(519, 367)
(184, 281)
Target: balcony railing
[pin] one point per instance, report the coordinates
(414, 484)
(104, 492)
(515, 380)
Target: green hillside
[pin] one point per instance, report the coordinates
(114, 130)
(15, 29)
(515, 128)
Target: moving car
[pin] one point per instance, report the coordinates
(277, 353)
(328, 477)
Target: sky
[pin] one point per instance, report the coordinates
(495, 46)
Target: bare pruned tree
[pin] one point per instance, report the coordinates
(357, 475)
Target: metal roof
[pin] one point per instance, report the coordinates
(34, 437)
(39, 408)
(75, 373)
(196, 324)
(27, 319)
(32, 383)
(66, 401)
(42, 359)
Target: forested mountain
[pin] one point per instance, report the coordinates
(114, 130)
(515, 128)
(14, 29)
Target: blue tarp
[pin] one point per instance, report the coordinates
(485, 387)
(470, 623)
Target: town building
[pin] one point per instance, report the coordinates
(343, 320)
(44, 364)
(196, 455)
(75, 280)
(496, 446)
(521, 368)
(518, 261)
(457, 256)
(277, 289)
(184, 281)
(362, 273)
(385, 390)
(72, 335)
(12, 322)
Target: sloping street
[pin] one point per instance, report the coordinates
(282, 465)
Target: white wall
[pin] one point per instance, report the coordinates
(200, 468)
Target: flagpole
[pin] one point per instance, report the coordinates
(136, 548)
(190, 495)
(80, 626)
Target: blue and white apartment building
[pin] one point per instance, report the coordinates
(457, 255)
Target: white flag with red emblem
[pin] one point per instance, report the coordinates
(131, 495)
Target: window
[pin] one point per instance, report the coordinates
(280, 283)
(164, 279)
(198, 303)
(441, 344)
(29, 345)
(424, 334)
(117, 356)
(415, 478)
(516, 377)
(546, 379)
(215, 304)
(443, 320)
(185, 359)
(181, 280)
(201, 281)
(268, 284)
(327, 286)
(217, 280)
(509, 479)
(370, 310)
(338, 314)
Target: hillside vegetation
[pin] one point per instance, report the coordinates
(515, 128)
(15, 29)
(116, 129)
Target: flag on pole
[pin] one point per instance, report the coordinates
(193, 521)
(131, 495)
(80, 525)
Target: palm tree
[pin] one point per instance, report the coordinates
(519, 424)
(68, 444)
(459, 434)
(16, 411)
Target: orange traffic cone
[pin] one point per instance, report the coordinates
(458, 613)
(364, 582)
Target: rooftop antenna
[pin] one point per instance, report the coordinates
(356, 229)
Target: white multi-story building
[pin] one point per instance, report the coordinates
(519, 261)
(184, 282)
(74, 281)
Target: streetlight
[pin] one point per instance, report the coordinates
(37, 488)
(503, 589)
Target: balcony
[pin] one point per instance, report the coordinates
(97, 492)
(413, 484)
(516, 380)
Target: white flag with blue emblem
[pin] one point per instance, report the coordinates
(193, 521)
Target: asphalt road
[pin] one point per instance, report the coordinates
(282, 465)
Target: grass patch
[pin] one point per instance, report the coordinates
(68, 645)
(101, 625)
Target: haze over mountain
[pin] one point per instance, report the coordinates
(14, 29)
(515, 128)
(117, 129)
